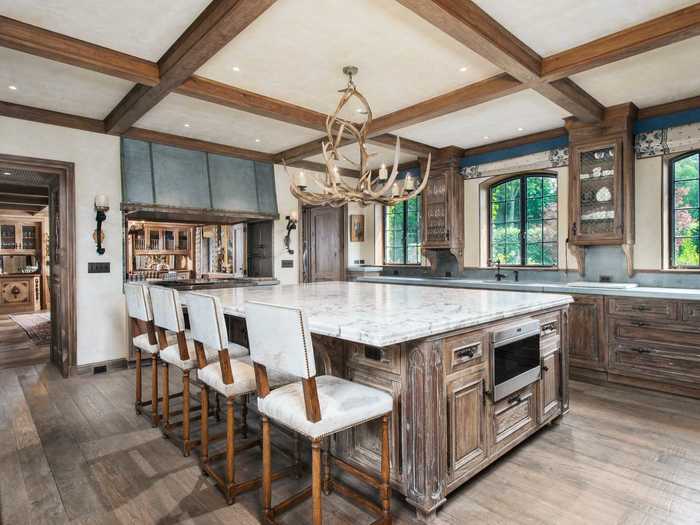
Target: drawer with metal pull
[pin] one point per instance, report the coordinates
(513, 417)
(463, 351)
(656, 361)
(653, 332)
(643, 308)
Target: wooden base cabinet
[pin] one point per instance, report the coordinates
(549, 388)
(587, 338)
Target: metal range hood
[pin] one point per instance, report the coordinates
(167, 183)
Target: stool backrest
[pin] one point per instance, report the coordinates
(278, 338)
(138, 302)
(167, 309)
(207, 322)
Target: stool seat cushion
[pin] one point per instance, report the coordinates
(344, 405)
(243, 377)
(171, 354)
(141, 341)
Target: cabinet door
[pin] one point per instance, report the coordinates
(466, 425)
(550, 387)
(436, 211)
(596, 193)
(587, 341)
(8, 237)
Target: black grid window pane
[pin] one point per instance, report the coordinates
(524, 218)
(402, 232)
(685, 211)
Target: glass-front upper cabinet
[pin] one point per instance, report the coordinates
(596, 193)
(183, 240)
(29, 240)
(8, 237)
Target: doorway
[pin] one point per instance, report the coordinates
(260, 257)
(323, 244)
(38, 241)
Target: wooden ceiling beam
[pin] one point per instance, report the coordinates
(196, 144)
(45, 116)
(662, 31)
(218, 24)
(242, 100)
(321, 168)
(407, 145)
(566, 94)
(670, 107)
(518, 141)
(26, 200)
(18, 189)
(47, 44)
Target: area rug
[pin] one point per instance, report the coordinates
(36, 324)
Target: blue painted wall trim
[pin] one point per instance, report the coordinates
(667, 121)
(516, 151)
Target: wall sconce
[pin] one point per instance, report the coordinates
(101, 206)
(292, 221)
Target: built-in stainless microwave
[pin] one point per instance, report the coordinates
(515, 357)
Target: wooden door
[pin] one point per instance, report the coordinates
(260, 249)
(324, 244)
(56, 259)
(587, 340)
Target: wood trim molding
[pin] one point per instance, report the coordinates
(518, 141)
(321, 168)
(670, 107)
(45, 116)
(47, 44)
(218, 24)
(655, 33)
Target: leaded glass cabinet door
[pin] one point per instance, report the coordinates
(596, 193)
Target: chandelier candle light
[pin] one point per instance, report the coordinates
(330, 189)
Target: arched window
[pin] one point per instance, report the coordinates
(684, 210)
(523, 221)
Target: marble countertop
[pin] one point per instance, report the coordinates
(364, 268)
(383, 314)
(690, 294)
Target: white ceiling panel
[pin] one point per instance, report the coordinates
(189, 117)
(141, 28)
(378, 155)
(663, 75)
(505, 118)
(550, 27)
(296, 50)
(51, 85)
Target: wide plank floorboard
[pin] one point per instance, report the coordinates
(73, 451)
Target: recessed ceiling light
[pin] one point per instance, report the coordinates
(236, 69)
(486, 137)
(12, 87)
(187, 125)
(521, 129)
(257, 140)
(463, 69)
(7, 173)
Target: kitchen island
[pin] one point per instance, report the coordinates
(433, 351)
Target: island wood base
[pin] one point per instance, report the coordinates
(445, 428)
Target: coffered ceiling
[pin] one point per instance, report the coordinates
(143, 28)
(260, 75)
(378, 155)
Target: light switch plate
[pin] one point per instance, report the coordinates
(98, 267)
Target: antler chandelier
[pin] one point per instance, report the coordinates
(330, 189)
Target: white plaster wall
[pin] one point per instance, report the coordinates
(100, 312)
(648, 195)
(286, 204)
(364, 250)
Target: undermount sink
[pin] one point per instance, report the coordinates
(592, 284)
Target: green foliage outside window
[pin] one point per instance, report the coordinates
(402, 232)
(524, 221)
(685, 211)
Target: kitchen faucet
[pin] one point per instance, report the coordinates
(499, 275)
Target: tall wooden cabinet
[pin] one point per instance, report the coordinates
(601, 182)
(443, 207)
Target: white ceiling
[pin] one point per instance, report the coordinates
(296, 50)
(143, 28)
(223, 125)
(490, 122)
(550, 27)
(663, 75)
(51, 85)
(379, 155)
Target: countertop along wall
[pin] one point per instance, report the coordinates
(101, 319)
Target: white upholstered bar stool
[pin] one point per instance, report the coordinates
(168, 316)
(232, 378)
(316, 407)
(138, 305)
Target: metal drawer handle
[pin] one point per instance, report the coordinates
(549, 328)
(641, 308)
(639, 324)
(641, 350)
(515, 399)
(466, 352)
(545, 368)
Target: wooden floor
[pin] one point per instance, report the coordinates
(16, 348)
(72, 450)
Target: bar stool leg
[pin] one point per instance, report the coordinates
(154, 390)
(186, 412)
(218, 407)
(138, 382)
(297, 456)
(230, 436)
(267, 468)
(386, 481)
(326, 467)
(316, 481)
(204, 427)
(166, 396)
